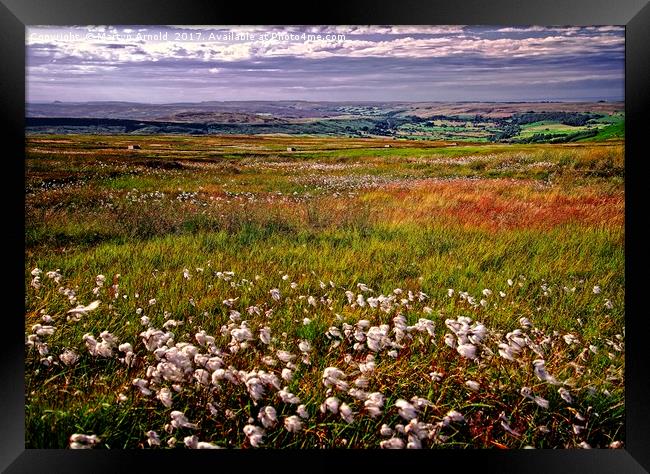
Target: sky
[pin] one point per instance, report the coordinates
(167, 64)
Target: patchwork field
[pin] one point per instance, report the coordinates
(223, 291)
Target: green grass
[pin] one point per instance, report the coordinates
(530, 129)
(614, 131)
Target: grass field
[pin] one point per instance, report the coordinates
(608, 127)
(356, 293)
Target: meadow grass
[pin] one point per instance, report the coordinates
(365, 240)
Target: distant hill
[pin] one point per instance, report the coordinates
(256, 111)
(464, 121)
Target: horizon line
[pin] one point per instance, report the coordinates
(334, 101)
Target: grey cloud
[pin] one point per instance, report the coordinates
(576, 62)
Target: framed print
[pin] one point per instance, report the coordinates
(377, 234)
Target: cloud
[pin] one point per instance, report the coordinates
(368, 62)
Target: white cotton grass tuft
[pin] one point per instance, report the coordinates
(165, 396)
(508, 352)
(392, 443)
(361, 382)
(54, 275)
(267, 416)
(287, 374)
(539, 367)
(293, 424)
(255, 434)
(360, 300)
(436, 376)
(566, 396)
(528, 393)
(301, 411)
(367, 367)
(506, 426)
(525, 323)
(100, 349)
(374, 403)
(142, 385)
(333, 377)
(81, 309)
(180, 421)
(570, 339)
(69, 357)
(450, 340)
(330, 404)
(420, 403)
(386, 430)
(346, 413)
(255, 388)
(83, 441)
(363, 287)
(193, 442)
(42, 331)
(265, 335)
(413, 442)
(288, 397)
(234, 316)
(152, 438)
(285, 356)
(358, 393)
(418, 430)
(467, 350)
(405, 409)
(452, 416)
(241, 334)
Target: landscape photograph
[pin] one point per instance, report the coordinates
(318, 237)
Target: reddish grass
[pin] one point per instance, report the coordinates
(506, 204)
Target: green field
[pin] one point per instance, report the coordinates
(607, 127)
(550, 127)
(373, 292)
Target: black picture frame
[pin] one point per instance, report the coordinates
(15, 15)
